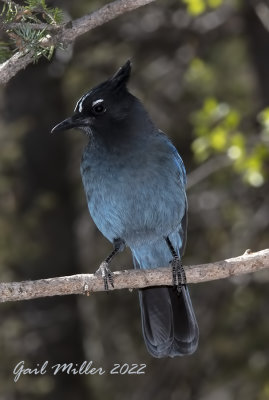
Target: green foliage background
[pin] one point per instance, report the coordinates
(200, 67)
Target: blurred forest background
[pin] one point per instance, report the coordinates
(202, 70)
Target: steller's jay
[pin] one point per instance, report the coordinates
(134, 181)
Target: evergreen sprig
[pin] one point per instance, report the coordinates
(28, 39)
(53, 16)
(22, 26)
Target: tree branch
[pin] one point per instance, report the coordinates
(67, 33)
(105, 14)
(133, 279)
(12, 66)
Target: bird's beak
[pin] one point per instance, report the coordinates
(73, 122)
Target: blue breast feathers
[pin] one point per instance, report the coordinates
(139, 197)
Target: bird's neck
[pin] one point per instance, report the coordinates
(126, 134)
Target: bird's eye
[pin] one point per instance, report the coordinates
(99, 109)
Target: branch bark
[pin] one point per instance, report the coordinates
(67, 33)
(133, 279)
(105, 14)
(12, 66)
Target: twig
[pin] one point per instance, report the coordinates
(12, 2)
(206, 169)
(262, 12)
(133, 279)
(17, 25)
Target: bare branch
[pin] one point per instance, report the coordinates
(133, 279)
(67, 33)
(99, 17)
(12, 66)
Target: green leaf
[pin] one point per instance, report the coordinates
(263, 118)
(195, 7)
(232, 120)
(200, 77)
(58, 15)
(218, 138)
(254, 178)
(200, 147)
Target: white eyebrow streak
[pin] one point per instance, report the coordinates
(97, 101)
(80, 102)
(76, 106)
(80, 105)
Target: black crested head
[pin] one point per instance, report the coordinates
(121, 77)
(106, 92)
(108, 109)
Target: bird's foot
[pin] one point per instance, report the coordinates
(106, 274)
(178, 274)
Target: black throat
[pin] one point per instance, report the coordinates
(123, 133)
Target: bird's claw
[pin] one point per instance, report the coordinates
(178, 274)
(106, 274)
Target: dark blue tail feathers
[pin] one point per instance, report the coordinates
(168, 321)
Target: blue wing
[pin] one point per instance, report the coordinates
(183, 181)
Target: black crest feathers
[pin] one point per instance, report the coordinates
(122, 76)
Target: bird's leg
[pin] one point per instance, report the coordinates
(105, 272)
(178, 273)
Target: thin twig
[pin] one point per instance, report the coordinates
(12, 3)
(206, 169)
(36, 26)
(133, 279)
(262, 12)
